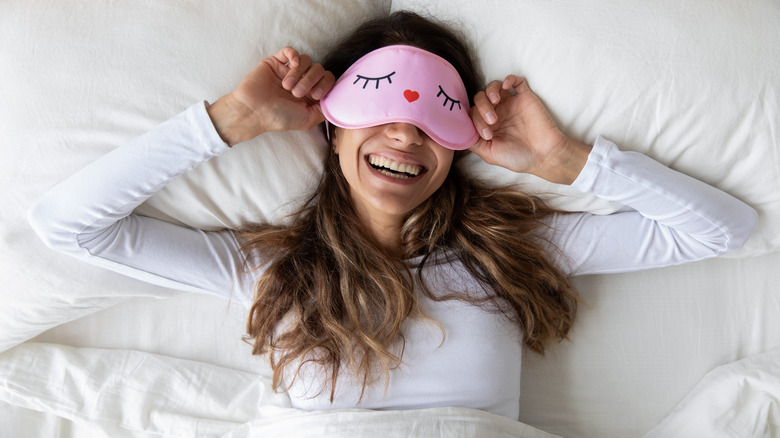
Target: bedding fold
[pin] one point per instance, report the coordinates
(136, 391)
(737, 400)
(131, 389)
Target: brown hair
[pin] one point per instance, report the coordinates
(330, 297)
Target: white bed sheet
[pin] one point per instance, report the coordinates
(80, 78)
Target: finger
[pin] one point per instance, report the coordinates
(287, 56)
(493, 90)
(323, 86)
(308, 81)
(482, 126)
(516, 83)
(314, 116)
(485, 108)
(297, 70)
(480, 148)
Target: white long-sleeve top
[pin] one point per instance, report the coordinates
(675, 219)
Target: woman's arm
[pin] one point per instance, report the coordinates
(675, 218)
(89, 215)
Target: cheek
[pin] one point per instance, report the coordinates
(343, 147)
(449, 158)
(445, 160)
(347, 167)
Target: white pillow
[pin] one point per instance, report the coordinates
(81, 78)
(695, 85)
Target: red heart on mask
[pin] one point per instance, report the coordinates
(411, 96)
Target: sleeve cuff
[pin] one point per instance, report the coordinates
(204, 128)
(587, 177)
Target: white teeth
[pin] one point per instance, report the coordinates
(394, 175)
(410, 169)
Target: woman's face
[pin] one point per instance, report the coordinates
(391, 168)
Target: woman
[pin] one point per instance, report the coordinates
(402, 283)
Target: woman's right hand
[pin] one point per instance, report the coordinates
(281, 93)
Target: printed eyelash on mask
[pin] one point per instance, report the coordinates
(367, 79)
(447, 99)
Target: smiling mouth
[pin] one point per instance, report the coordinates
(395, 169)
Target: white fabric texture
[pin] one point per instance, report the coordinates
(692, 84)
(679, 219)
(83, 80)
(738, 400)
(164, 396)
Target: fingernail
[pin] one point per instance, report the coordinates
(288, 83)
(490, 118)
(493, 98)
(298, 91)
(316, 93)
(487, 134)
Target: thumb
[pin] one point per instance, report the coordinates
(314, 115)
(482, 149)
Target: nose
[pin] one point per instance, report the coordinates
(404, 133)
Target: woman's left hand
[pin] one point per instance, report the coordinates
(517, 132)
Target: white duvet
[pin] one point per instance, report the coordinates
(119, 392)
(738, 400)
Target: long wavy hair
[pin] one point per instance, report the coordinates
(329, 296)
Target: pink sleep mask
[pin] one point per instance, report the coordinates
(403, 84)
